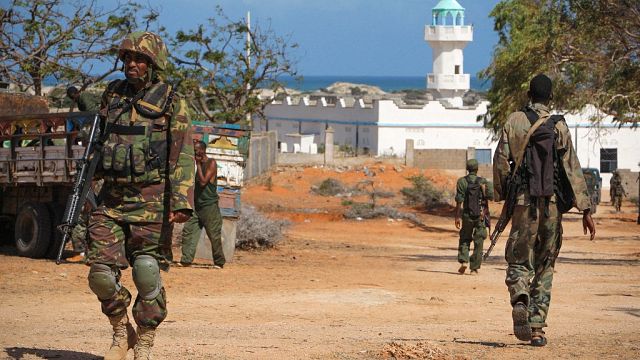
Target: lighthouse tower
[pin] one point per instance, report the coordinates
(447, 35)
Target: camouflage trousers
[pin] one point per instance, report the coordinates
(116, 242)
(210, 218)
(616, 201)
(531, 252)
(471, 230)
(79, 237)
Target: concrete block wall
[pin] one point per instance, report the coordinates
(262, 153)
(445, 159)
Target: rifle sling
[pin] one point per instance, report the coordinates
(532, 129)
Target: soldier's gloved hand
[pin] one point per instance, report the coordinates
(179, 216)
(587, 223)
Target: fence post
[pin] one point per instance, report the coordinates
(409, 154)
(328, 145)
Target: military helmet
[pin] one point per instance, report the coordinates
(148, 44)
(472, 165)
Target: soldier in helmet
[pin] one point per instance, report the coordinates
(473, 193)
(148, 171)
(616, 190)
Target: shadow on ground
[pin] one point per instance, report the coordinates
(17, 353)
(492, 344)
(628, 310)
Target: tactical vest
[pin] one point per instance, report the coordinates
(135, 151)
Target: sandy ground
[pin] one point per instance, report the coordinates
(345, 289)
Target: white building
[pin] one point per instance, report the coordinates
(383, 126)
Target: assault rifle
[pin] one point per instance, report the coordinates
(514, 182)
(86, 167)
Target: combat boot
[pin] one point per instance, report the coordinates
(124, 338)
(537, 337)
(142, 350)
(521, 327)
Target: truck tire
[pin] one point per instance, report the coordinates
(33, 230)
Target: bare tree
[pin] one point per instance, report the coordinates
(224, 65)
(69, 41)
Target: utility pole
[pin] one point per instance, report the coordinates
(249, 120)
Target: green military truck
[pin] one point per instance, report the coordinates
(37, 168)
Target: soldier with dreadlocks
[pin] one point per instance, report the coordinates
(148, 171)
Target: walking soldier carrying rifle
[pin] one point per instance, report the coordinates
(537, 172)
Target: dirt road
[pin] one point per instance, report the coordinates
(344, 289)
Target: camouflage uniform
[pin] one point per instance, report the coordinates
(142, 184)
(616, 190)
(473, 228)
(534, 243)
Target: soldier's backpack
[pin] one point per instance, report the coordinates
(545, 174)
(473, 197)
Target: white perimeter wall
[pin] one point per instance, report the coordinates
(384, 129)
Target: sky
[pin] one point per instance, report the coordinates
(348, 37)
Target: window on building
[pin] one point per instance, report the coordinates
(608, 160)
(483, 156)
(347, 129)
(420, 142)
(457, 70)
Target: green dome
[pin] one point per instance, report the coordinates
(448, 12)
(448, 5)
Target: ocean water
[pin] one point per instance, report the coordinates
(386, 83)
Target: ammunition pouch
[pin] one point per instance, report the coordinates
(131, 156)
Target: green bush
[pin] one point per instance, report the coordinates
(424, 193)
(368, 211)
(329, 187)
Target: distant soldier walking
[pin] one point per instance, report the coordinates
(535, 154)
(473, 193)
(616, 190)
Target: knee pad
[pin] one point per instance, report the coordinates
(103, 281)
(146, 276)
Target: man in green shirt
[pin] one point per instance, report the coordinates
(473, 193)
(206, 214)
(84, 101)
